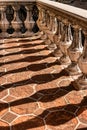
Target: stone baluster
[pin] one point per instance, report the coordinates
(57, 52)
(52, 32)
(75, 51)
(65, 43)
(82, 62)
(27, 21)
(31, 20)
(16, 23)
(42, 23)
(4, 22)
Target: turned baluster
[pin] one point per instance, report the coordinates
(16, 23)
(65, 43)
(75, 51)
(52, 32)
(4, 21)
(57, 52)
(82, 62)
(27, 18)
(31, 20)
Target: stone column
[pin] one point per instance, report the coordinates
(16, 23)
(82, 62)
(4, 22)
(75, 51)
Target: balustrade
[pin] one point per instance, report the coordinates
(61, 26)
(17, 18)
(64, 26)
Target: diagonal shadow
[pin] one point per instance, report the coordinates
(54, 118)
(31, 67)
(39, 79)
(28, 51)
(29, 59)
(24, 45)
(48, 96)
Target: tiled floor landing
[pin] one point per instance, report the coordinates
(35, 91)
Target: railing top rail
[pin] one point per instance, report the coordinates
(2, 1)
(82, 13)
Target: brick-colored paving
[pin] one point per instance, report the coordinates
(36, 93)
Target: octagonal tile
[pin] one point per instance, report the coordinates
(74, 97)
(82, 114)
(3, 108)
(4, 126)
(9, 117)
(50, 87)
(9, 98)
(2, 80)
(24, 106)
(18, 77)
(60, 120)
(52, 100)
(3, 92)
(28, 123)
(22, 91)
(82, 127)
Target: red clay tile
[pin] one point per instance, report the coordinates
(82, 114)
(74, 97)
(52, 100)
(3, 92)
(82, 127)
(3, 108)
(9, 98)
(22, 91)
(60, 120)
(9, 117)
(27, 123)
(4, 126)
(40, 86)
(2, 80)
(24, 106)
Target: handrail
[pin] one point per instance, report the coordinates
(69, 19)
(17, 1)
(64, 7)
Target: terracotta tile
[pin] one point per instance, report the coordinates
(9, 98)
(27, 123)
(52, 100)
(3, 108)
(3, 92)
(24, 106)
(13, 58)
(18, 77)
(2, 80)
(9, 117)
(37, 80)
(61, 120)
(71, 108)
(47, 87)
(12, 50)
(15, 66)
(65, 82)
(42, 78)
(74, 97)
(82, 127)
(4, 126)
(22, 91)
(41, 113)
(36, 96)
(82, 115)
